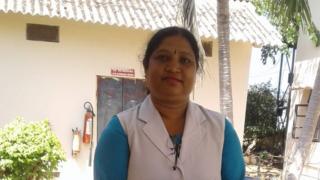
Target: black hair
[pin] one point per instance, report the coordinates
(159, 36)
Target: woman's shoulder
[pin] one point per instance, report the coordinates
(210, 119)
(129, 118)
(128, 112)
(211, 114)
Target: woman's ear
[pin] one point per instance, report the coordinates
(146, 83)
(146, 87)
(146, 79)
(146, 74)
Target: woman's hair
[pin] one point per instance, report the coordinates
(158, 37)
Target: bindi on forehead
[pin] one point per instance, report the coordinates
(176, 44)
(174, 51)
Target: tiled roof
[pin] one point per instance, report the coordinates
(245, 24)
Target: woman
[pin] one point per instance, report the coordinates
(168, 137)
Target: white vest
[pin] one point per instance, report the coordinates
(151, 149)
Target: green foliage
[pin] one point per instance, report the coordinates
(288, 16)
(29, 151)
(261, 119)
(261, 123)
(263, 155)
(269, 52)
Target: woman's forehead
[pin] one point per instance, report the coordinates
(173, 51)
(172, 43)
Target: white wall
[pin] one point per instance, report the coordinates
(207, 89)
(306, 49)
(52, 80)
(304, 71)
(307, 63)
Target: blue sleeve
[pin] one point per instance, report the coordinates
(233, 167)
(112, 153)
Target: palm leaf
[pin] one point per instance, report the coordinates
(188, 19)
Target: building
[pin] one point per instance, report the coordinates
(87, 43)
(303, 90)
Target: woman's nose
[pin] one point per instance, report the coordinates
(173, 65)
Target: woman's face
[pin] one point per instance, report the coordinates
(172, 69)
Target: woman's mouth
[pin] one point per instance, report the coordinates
(172, 80)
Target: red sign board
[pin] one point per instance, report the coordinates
(123, 72)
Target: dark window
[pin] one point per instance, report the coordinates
(39, 32)
(300, 113)
(207, 46)
(300, 116)
(316, 137)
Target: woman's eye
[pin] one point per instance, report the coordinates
(162, 57)
(185, 61)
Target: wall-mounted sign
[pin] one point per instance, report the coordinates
(123, 72)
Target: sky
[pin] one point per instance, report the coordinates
(269, 72)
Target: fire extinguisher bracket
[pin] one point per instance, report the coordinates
(88, 127)
(76, 134)
(88, 123)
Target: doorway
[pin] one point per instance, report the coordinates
(115, 95)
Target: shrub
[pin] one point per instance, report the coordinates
(29, 150)
(262, 126)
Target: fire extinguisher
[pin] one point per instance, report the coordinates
(75, 142)
(87, 137)
(88, 123)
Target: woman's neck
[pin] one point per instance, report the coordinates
(173, 113)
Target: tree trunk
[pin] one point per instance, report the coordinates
(188, 14)
(226, 106)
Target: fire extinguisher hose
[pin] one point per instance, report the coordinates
(89, 108)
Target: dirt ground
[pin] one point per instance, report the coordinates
(263, 173)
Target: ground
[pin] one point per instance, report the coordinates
(259, 169)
